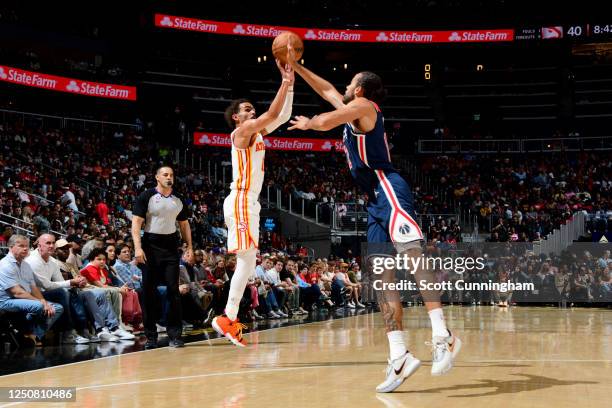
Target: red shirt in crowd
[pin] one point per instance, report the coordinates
(93, 274)
(102, 210)
(311, 277)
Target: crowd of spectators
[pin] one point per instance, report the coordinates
(83, 185)
(79, 186)
(575, 277)
(522, 199)
(93, 293)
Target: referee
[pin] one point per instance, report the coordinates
(158, 253)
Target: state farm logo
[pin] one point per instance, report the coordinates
(239, 29)
(267, 142)
(72, 87)
(326, 146)
(454, 36)
(204, 139)
(310, 35)
(166, 22)
(382, 36)
(2, 73)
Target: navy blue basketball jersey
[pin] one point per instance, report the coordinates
(368, 152)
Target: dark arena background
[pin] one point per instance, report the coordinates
(498, 115)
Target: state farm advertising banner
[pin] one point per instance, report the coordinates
(63, 84)
(325, 34)
(274, 143)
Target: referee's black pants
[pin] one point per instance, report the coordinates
(161, 268)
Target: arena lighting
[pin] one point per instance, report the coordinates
(258, 59)
(302, 61)
(427, 73)
(479, 67)
(265, 58)
(345, 66)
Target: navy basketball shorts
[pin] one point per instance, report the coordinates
(391, 217)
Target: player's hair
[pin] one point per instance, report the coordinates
(372, 86)
(232, 109)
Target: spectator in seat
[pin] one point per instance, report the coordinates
(267, 299)
(41, 221)
(289, 276)
(355, 286)
(96, 300)
(53, 286)
(194, 298)
(102, 211)
(19, 293)
(96, 274)
(130, 275)
(214, 283)
(280, 289)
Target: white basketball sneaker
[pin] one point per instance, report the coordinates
(443, 353)
(397, 371)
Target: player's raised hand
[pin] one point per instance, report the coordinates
(291, 56)
(299, 122)
(287, 72)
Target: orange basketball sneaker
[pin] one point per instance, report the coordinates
(230, 329)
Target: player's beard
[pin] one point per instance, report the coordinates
(347, 98)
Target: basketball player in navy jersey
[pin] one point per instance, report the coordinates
(391, 215)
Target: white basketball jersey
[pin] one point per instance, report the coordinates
(248, 167)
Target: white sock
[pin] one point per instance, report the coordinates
(397, 347)
(245, 267)
(438, 325)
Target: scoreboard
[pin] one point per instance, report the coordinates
(575, 32)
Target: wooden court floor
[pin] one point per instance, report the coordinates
(521, 357)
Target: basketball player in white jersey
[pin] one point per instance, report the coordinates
(241, 208)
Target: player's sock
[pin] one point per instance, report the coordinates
(245, 266)
(397, 346)
(438, 324)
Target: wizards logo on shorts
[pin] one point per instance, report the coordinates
(242, 226)
(404, 229)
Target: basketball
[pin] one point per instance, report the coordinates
(279, 46)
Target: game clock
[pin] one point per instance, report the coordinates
(601, 30)
(590, 31)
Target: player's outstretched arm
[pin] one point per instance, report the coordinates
(356, 109)
(320, 85)
(285, 113)
(243, 134)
